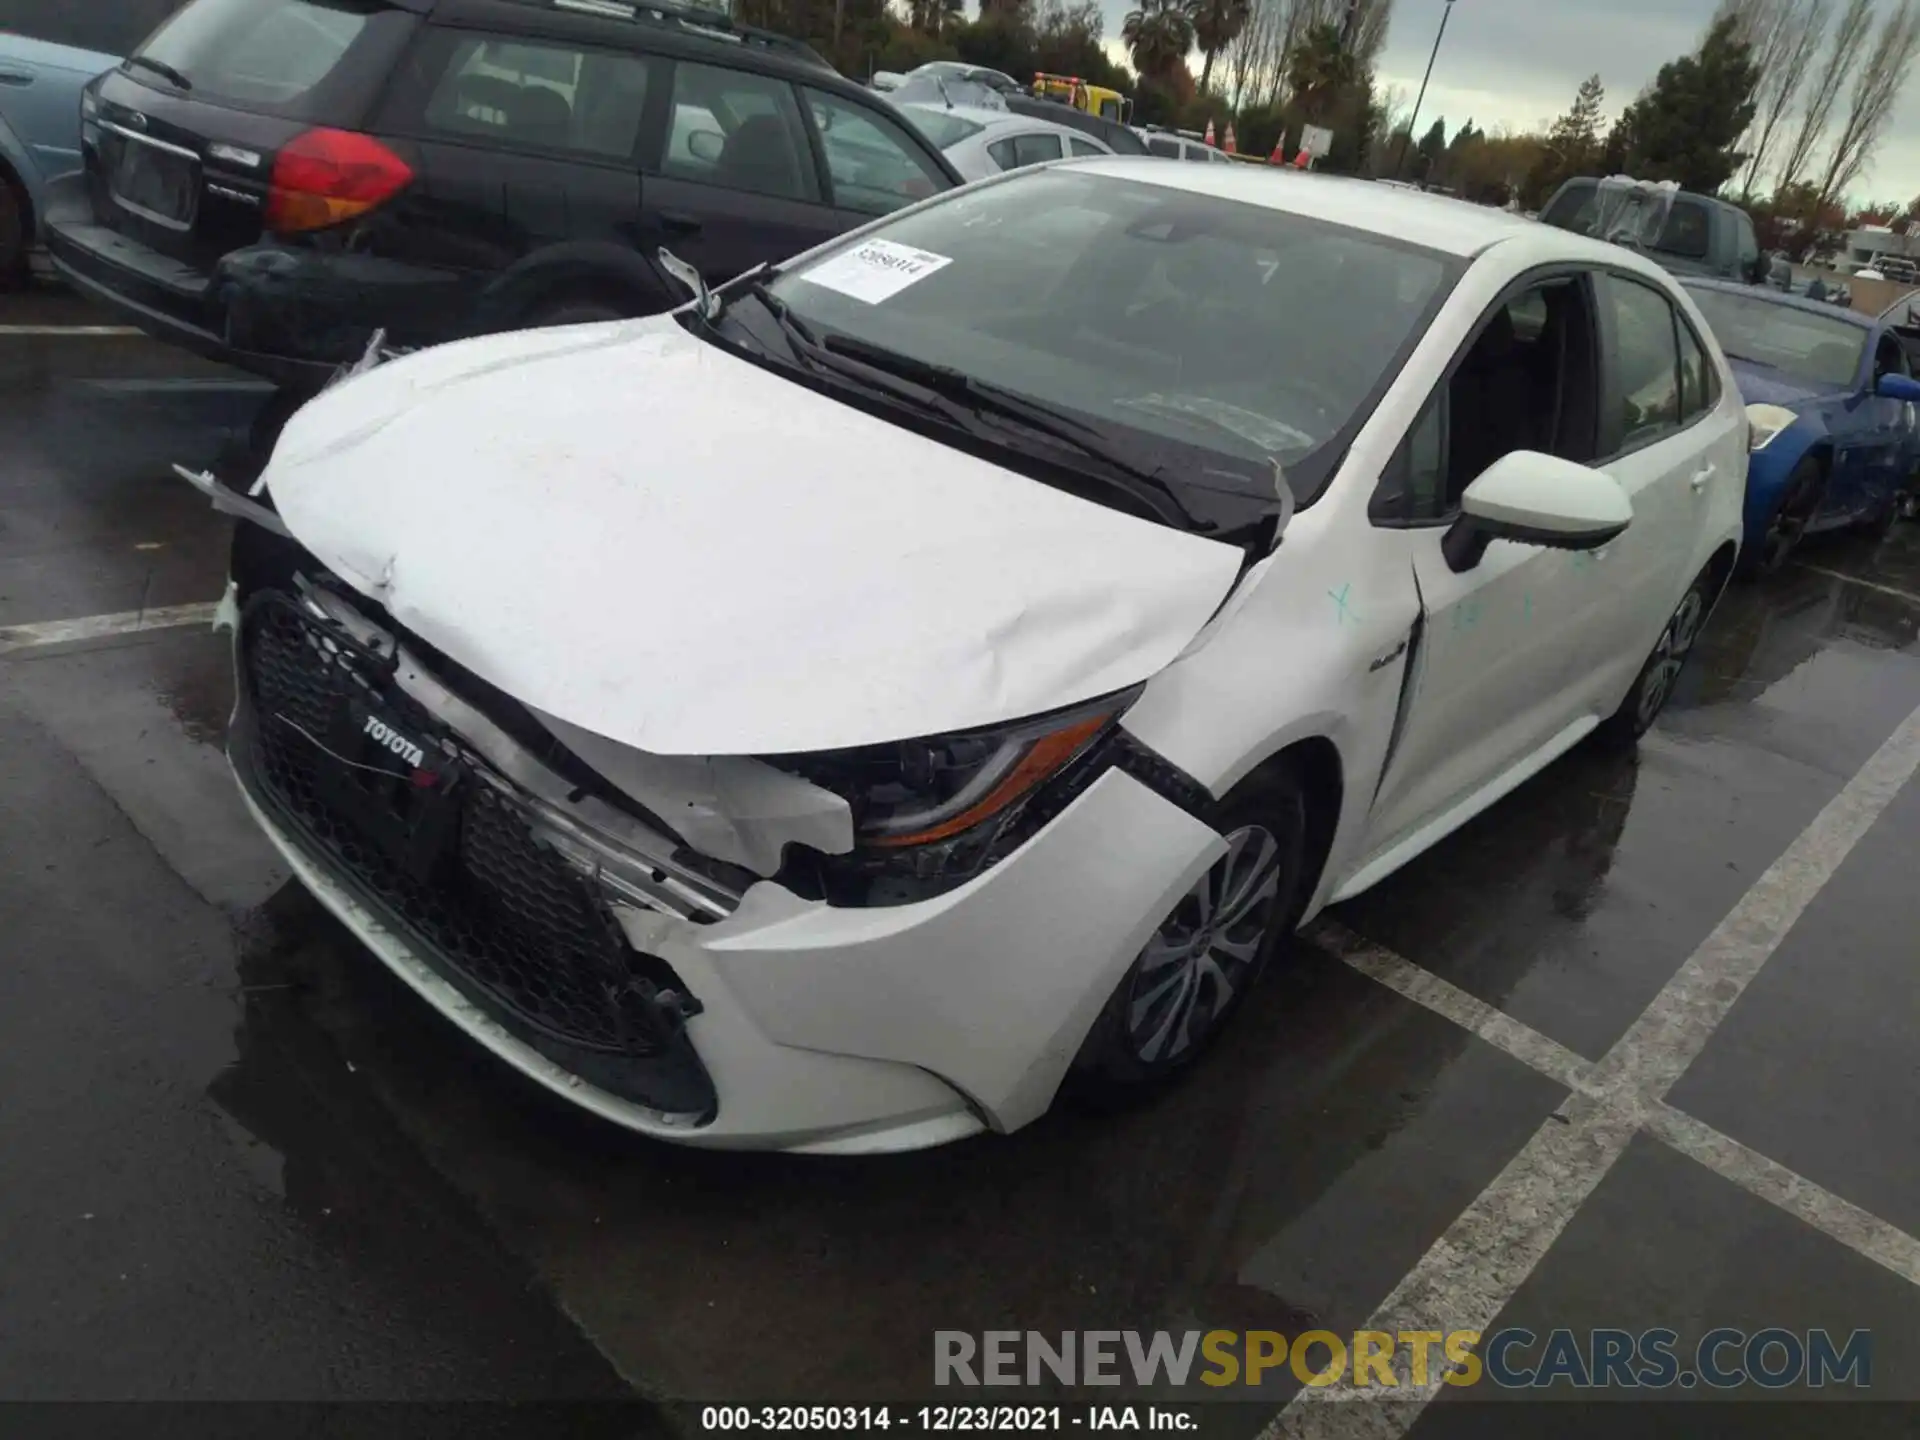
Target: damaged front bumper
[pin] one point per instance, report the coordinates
(677, 997)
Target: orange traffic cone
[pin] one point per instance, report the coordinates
(1303, 160)
(1232, 147)
(1279, 156)
(1208, 137)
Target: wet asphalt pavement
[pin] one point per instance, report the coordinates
(242, 1162)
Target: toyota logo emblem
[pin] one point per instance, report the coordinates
(136, 120)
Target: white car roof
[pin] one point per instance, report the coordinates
(993, 120)
(1437, 221)
(1001, 120)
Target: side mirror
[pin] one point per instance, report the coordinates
(1536, 499)
(1898, 387)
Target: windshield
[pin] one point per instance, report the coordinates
(1811, 348)
(1221, 337)
(942, 129)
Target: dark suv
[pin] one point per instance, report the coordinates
(268, 182)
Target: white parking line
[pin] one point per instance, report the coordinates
(1471, 1272)
(1905, 595)
(97, 627)
(1446, 999)
(181, 385)
(69, 330)
(1753, 1172)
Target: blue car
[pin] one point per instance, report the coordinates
(1831, 397)
(48, 50)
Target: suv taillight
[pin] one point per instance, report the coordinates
(323, 177)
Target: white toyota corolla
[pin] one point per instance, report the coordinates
(941, 672)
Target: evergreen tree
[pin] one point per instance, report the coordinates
(1686, 125)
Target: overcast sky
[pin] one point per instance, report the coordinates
(1519, 62)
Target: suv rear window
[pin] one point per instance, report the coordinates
(280, 57)
(108, 29)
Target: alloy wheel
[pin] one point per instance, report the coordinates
(1670, 655)
(1205, 950)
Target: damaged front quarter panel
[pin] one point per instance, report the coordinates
(733, 808)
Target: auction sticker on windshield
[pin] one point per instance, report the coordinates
(873, 270)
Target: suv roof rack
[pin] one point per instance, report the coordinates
(717, 23)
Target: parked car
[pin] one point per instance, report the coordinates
(1831, 396)
(1178, 145)
(268, 182)
(49, 49)
(980, 143)
(1076, 609)
(1683, 232)
(972, 74)
(1118, 138)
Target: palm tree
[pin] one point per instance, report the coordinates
(1158, 35)
(1215, 24)
(1320, 68)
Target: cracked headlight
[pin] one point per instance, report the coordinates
(1764, 422)
(931, 813)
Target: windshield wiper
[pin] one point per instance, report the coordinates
(984, 397)
(960, 400)
(804, 342)
(162, 69)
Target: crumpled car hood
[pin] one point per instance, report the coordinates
(634, 531)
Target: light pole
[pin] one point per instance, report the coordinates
(1407, 143)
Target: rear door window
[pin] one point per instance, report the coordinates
(875, 166)
(1018, 150)
(302, 59)
(547, 96)
(1084, 147)
(1170, 149)
(1699, 386)
(1645, 361)
(741, 131)
(1688, 232)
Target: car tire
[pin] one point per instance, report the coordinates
(572, 312)
(15, 228)
(1191, 978)
(1660, 673)
(1787, 525)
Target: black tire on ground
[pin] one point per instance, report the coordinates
(15, 231)
(1654, 685)
(1186, 985)
(1787, 526)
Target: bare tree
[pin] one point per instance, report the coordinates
(1829, 78)
(1784, 36)
(1876, 88)
(1248, 55)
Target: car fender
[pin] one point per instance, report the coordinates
(572, 267)
(1769, 468)
(1317, 647)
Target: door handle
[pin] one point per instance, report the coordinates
(678, 222)
(1701, 477)
(15, 77)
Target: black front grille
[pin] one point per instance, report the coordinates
(499, 909)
